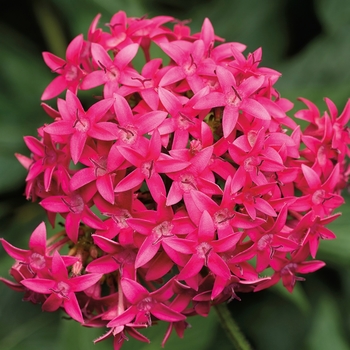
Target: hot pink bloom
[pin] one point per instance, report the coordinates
(80, 124)
(61, 289)
(36, 259)
(143, 304)
(148, 166)
(75, 210)
(319, 197)
(234, 98)
(112, 72)
(69, 70)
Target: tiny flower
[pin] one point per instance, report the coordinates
(61, 289)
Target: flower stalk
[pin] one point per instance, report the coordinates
(231, 328)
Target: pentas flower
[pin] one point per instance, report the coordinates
(36, 259)
(80, 124)
(143, 304)
(47, 158)
(148, 166)
(69, 70)
(75, 211)
(205, 250)
(101, 169)
(234, 98)
(112, 72)
(320, 198)
(61, 289)
(182, 185)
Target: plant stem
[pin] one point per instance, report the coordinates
(231, 328)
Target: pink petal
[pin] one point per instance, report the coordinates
(72, 226)
(74, 49)
(165, 313)
(54, 204)
(72, 308)
(39, 285)
(255, 109)
(93, 79)
(173, 75)
(311, 177)
(126, 317)
(122, 110)
(146, 252)
(37, 240)
(229, 120)
(14, 252)
(81, 178)
(206, 229)
(124, 56)
(80, 283)
(105, 186)
(150, 121)
(52, 303)
(264, 207)
(160, 266)
(77, 143)
(100, 55)
(310, 266)
(133, 291)
(156, 187)
(192, 268)
(213, 99)
(104, 264)
(54, 62)
(59, 270)
(99, 109)
(217, 265)
(132, 180)
(58, 85)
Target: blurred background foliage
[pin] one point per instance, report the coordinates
(308, 41)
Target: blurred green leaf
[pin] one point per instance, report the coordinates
(326, 332)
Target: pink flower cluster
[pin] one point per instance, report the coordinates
(179, 185)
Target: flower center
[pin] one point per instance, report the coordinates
(162, 230)
(81, 124)
(318, 197)
(250, 164)
(233, 98)
(62, 290)
(190, 67)
(71, 73)
(37, 261)
(289, 269)
(121, 217)
(222, 217)
(203, 250)
(112, 72)
(127, 134)
(100, 166)
(145, 304)
(147, 168)
(76, 204)
(264, 241)
(184, 122)
(187, 182)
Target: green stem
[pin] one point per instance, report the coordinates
(233, 332)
